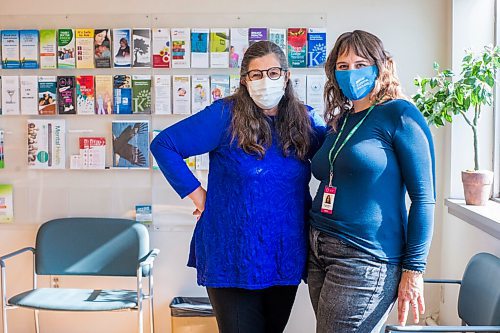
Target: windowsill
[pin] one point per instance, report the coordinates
(486, 218)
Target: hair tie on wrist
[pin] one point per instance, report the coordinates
(413, 271)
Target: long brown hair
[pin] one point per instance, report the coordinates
(370, 47)
(249, 126)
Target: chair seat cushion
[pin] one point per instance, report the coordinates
(62, 299)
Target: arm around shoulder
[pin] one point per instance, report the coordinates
(319, 131)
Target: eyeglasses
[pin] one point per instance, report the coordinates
(273, 73)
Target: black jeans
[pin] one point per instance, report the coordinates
(252, 311)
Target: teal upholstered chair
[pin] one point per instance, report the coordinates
(478, 300)
(86, 247)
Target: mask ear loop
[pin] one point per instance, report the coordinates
(243, 80)
(387, 62)
(287, 79)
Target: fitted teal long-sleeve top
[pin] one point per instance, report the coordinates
(391, 154)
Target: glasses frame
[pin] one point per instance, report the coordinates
(282, 72)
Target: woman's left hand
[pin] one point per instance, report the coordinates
(410, 296)
(199, 197)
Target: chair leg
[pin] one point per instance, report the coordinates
(4, 318)
(3, 299)
(151, 315)
(151, 302)
(140, 320)
(37, 321)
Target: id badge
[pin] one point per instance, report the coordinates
(328, 199)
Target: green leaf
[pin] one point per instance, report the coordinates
(490, 81)
(448, 73)
(475, 69)
(433, 83)
(474, 98)
(486, 58)
(471, 81)
(447, 117)
(416, 97)
(436, 66)
(423, 83)
(460, 97)
(496, 62)
(467, 103)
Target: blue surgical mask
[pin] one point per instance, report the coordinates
(357, 83)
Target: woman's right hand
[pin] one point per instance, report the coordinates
(198, 197)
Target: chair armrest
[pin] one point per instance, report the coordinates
(394, 328)
(149, 259)
(444, 281)
(15, 253)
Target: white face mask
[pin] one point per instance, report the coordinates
(266, 93)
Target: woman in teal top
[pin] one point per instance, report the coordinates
(366, 250)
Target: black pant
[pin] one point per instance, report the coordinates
(252, 311)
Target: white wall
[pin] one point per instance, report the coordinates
(416, 32)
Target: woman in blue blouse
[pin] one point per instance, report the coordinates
(250, 243)
(366, 250)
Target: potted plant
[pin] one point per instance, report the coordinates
(444, 95)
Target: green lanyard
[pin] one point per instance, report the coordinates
(351, 133)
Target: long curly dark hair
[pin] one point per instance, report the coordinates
(368, 46)
(249, 126)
